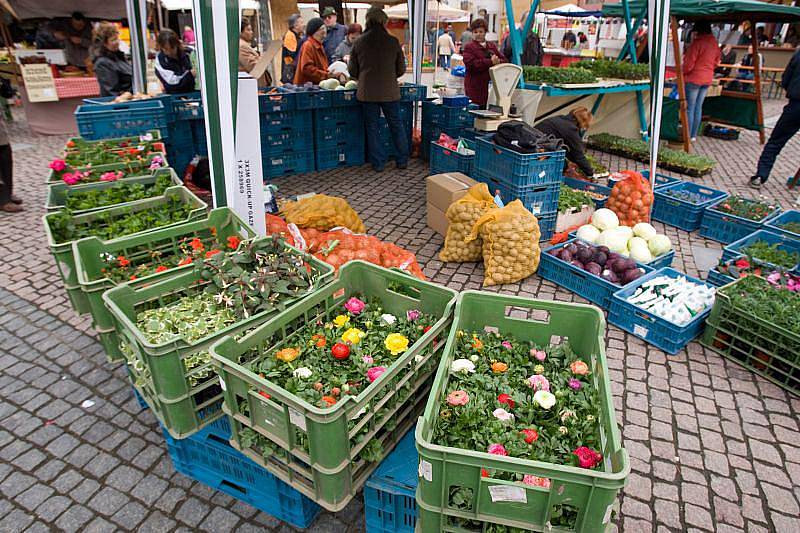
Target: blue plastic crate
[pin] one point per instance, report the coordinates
(662, 261)
(538, 199)
(717, 278)
(734, 249)
(329, 135)
(339, 156)
(286, 163)
(389, 502)
(515, 169)
(337, 115)
(681, 213)
(455, 101)
(312, 99)
(199, 137)
(727, 228)
(547, 225)
(187, 106)
(431, 133)
(344, 98)
(446, 117)
(180, 134)
(286, 140)
(575, 279)
(662, 180)
(139, 399)
(775, 224)
(284, 120)
(653, 329)
(410, 92)
(588, 186)
(276, 102)
(121, 120)
(447, 160)
(208, 458)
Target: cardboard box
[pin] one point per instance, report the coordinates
(444, 189)
(437, 219)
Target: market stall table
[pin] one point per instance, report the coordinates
(58, 118)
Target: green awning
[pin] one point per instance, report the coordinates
(717, 10)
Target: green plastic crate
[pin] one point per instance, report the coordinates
(62, 252)
(132, 140)
(161, 377)
(331, 472)
(131, 168)
(592, 494)
(769, 350)
(138, 249)
(57, 192)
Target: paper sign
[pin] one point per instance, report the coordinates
(426, 470)
(297, 418)
(504, 493)
(246, 189)
(39, 83)
(640, 331)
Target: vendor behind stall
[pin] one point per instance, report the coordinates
(479, 57)
(113, 72)
(173, 65)
(570, 129)
(76, 35)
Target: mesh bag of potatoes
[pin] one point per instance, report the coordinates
(462, 215)
(322, 212)
(510, 243)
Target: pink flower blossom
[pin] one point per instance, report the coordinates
(367, 359)
(497, 449)
(110, 176)
(375, 372)
(587, 457)
(502, 415)
(506, 345)
(58, 165)
(538, 382)
(354, 306)
(540, 355)
(70, 178)
(156, 162)
(574, 384)
(458, 397)
(413, 314)
(536, 481)
(774, 278)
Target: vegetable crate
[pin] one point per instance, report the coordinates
(389, 504)
(120, 120)
(209, 458)
(57, 193)
(717, 278)
(681, 213)
(662, 261)
(787, 244)
(442, 469)
(410, 92)
(275, 122)
(727, 228)
(340, 126)
(287, 162)
(276, 102)
(141, 249)
(657, 331)
(63, 254)
(339, 156)
(446, 117)
(313, 99)
(188, 107)
(318, 450)
(515, 169)
(662, 180)
(274, 143)
(139, 167)
(447, 160)
(777, 224)
(547, 225)
(344, 98)
(537, 199)
(757, 344)
(588, 186)
(176, 377)
(575, 279)
(431, 133)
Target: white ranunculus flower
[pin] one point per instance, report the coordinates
(302, 373)
(474, 358)
(502, 415)
(462, 365)
(544, 399)
(388, 319)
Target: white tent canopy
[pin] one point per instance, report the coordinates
(444, 12)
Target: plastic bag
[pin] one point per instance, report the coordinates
(510, 243)
(631, 199)
(322, 212)
(462, 215)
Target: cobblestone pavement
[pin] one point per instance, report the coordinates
(713, 448)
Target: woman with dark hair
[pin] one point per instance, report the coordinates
(570, 129)
(113, 72)
(342, 52)
(292, 41)
(173, 65)
(479, 56)
(249, 56)
(702, 57)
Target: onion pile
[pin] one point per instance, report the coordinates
(599, 261)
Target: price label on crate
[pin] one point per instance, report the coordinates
(640, 331)
(425, 470)
(297, 418)
(505, 493)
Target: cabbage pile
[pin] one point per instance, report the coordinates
(642, 243)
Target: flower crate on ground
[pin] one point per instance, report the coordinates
(515, 169)
(120, 120)
(460, 484)
(682, 204)
(750, 335)
(209, 458)
(162, 211)
(781, 242)
(76, 144)
(93, 196)
(94, 173)
(654, 329)
(537, 199)
(573, 278)
(725, 227)
(321, 451)
(143, 256)
(389, 504)
(446, 160)
(175, 375)
(786, 223)
(588, 186)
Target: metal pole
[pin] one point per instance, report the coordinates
(684, 114)
(137, 22)
(757, 80)
(418, 31)
(159, 15)
(436, 43)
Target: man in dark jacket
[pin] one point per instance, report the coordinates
(788, 124)
(336, 32)
(376, 61)
(569, 128)
(532, 49)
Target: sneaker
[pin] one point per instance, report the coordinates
(11, 207)
(756, 182)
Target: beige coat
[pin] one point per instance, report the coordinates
(248, 57)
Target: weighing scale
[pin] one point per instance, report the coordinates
(505, 78)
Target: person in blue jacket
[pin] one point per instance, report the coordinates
(173, 65)
(336, 32)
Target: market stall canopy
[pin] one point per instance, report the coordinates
(29, 9)
(444, 12)
(716, 10)
(177, 5)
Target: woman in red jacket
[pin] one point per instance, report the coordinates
(479, 57)
(702, 57)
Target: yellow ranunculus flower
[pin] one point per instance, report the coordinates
(341, 320)
(353, 336)
(287, 355)
(396, 343)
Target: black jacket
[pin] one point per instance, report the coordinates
(175, 74)
(565, 128)
(791, 77)
(532, 50)
(114, 73)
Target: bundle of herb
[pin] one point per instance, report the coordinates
(750, 209)
(573, 200)
(771, 253)
(558, 76)
(774, 302)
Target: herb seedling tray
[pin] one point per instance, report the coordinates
(159, 369)
(65, 259)
(593, 493)
(330, 471)
(735, 249)
(139, 249)
(651, 328)
(727, 228)
(682, 213)
(776, 224)
(588, 186)
(138, 166)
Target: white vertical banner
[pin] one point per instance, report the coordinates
(245, 192)
(659, 31)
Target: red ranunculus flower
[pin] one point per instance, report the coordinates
(507, 400)
(122, 261)
(233, 242)
(531, 435)
(587, 457)
(185, 261)
(196, 244)
(742, 264)
(161, 268)
(211, 253)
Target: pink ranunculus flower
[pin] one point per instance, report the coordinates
(497, 449)
(109, 176)
(368, 359)
(506, 345)
(58, 165)
(774, 278)
(354, 306)
(587, 457)
(540, 355)
(156, 162)
(502, 415)
(70, 178)
(458, 397)
(536, 481)
(538, 382)
(375, 372)
(412, 315)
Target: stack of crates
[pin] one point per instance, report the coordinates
(389, 504)
(186, 120)
(338, 137)
(406, 110)
(438, 119)
(286, 135)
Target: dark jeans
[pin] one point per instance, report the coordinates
(788, 124)
(372, 125)
(6, 174)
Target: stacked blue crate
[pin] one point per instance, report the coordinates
(389, 503)
(407, 117)
(438, 119)
(286, 136)
(338, 137)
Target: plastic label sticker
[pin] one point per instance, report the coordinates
(503, 493)
(607, 516)
(297, 418)
(222, 383)
(426, 470)
(542, 174)
(640, 331)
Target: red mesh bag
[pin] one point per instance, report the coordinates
(631, 199)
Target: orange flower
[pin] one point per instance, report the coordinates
(133, 277)
(161, 268)
(233, 242)
(211, 253)
(477, 343)
(185, 261)
(213, 231)
(197, 245)
(122, 261)
(498, 367)
(70, 144)
(287, 355)
(319, 340)
(330, 400)
(579, 368)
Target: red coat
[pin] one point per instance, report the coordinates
(702, 57)
(478, 61)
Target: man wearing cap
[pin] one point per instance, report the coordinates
(336, 32)
(376, 61)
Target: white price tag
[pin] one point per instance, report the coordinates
(426, 470)
(505, 493)
(222, 383)
(640, 331)
(297, 418)
(542, 174)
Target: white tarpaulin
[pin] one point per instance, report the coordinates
(445, 12)
(28, 9)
